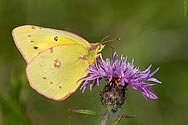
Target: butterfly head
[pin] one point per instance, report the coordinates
(96, 48)
(94, 51)
(99, 47)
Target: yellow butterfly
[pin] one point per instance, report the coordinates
(56, 59)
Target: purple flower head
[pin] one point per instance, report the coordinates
(121, 72)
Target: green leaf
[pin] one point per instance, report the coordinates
(86, 112)
(12, 108)
(123, 115)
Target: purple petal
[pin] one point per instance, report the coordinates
(91, 85)
(154, 72)
(125, 71)
(148, 69)
(154, 80)
(149, 94)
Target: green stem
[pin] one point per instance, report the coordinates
(105, 117)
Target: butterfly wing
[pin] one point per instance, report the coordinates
(31, 40)
(55, 72)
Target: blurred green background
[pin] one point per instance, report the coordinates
(151, 32)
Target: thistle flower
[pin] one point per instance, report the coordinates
(121, 73)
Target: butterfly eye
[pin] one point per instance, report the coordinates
(55, 38)
(100, 47)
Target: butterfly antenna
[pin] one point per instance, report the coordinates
(107, 36)
(109, 41)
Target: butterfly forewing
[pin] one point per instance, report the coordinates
(31, 40)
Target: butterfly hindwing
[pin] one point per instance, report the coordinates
(55, 72)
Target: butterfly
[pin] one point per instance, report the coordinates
(56, 59)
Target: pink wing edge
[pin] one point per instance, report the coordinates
(27, 61)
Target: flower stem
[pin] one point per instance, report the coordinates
(105, 117)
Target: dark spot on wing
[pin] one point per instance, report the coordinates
(44, 77)
(29, 35)
(83, 57)
(51, 82)
(32, 41)
(51, 50)
(35, 47)
(60, 87)
(56, 38)
(57, 63)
